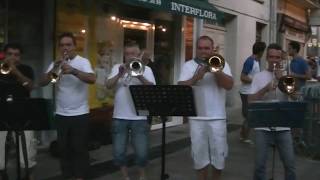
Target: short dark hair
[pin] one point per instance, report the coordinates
(205, 38)
(295, 45)
(274, 46)
(69, 35)
(258, 47)
(13, 46)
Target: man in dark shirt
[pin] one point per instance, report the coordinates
(17, 83)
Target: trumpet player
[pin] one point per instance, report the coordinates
(208, 130)
(71, 107)
(125, 122)
(22, 75)
(263, 87)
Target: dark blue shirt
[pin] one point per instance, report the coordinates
(299, 66)
(248, 65)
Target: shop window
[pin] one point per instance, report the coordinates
(164, 51)
(139, 36)
(259, 29)
(188, 34)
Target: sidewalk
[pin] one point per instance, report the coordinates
(239, 164)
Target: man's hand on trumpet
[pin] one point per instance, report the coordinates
(201, 71)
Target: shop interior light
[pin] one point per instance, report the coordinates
(83, 31)
(113, 18)
(146, 24)
(134, 24)
(309, 44)
(163, 29)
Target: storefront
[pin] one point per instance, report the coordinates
(293, 24)
(159, 26)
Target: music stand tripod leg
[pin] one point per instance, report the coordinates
(164, 176)
(17, 133)
(24, 150)
(25, 154)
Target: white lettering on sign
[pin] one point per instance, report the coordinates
(156, 2)
(193, 11)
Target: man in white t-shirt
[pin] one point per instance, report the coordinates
(125, 120)
(263, 88)
(250, 67)
(72, 107)
(208, 129)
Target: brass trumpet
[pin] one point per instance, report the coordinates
(214, 63)
(56, 72)
(135, 68)
(287, 84)
(5, 68)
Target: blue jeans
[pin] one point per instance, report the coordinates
(283, 142)
(138, 130)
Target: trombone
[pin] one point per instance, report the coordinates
(286, 83)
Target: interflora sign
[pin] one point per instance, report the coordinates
(197, 8)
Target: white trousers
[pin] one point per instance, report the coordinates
(31, 144)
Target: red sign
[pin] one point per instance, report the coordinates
(2, 56)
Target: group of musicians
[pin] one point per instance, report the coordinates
(208, 131)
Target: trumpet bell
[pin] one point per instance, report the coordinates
(136, 68)
(287, 84)
(216, 63)
(5, 68)
(54, 78)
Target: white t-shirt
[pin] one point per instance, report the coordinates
(210, 99)
(250, 68)
(71, 92)
(123, 103)
(260, 80)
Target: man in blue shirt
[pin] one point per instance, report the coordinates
(298, 67)
(250, 67)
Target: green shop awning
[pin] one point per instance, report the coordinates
(197, 8)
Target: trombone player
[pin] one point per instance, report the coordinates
(208, 130)
(72, 107)
(125, 122)
(264, 87)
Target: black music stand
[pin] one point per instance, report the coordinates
(276, 114)
(19, 114)
(163, 101)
